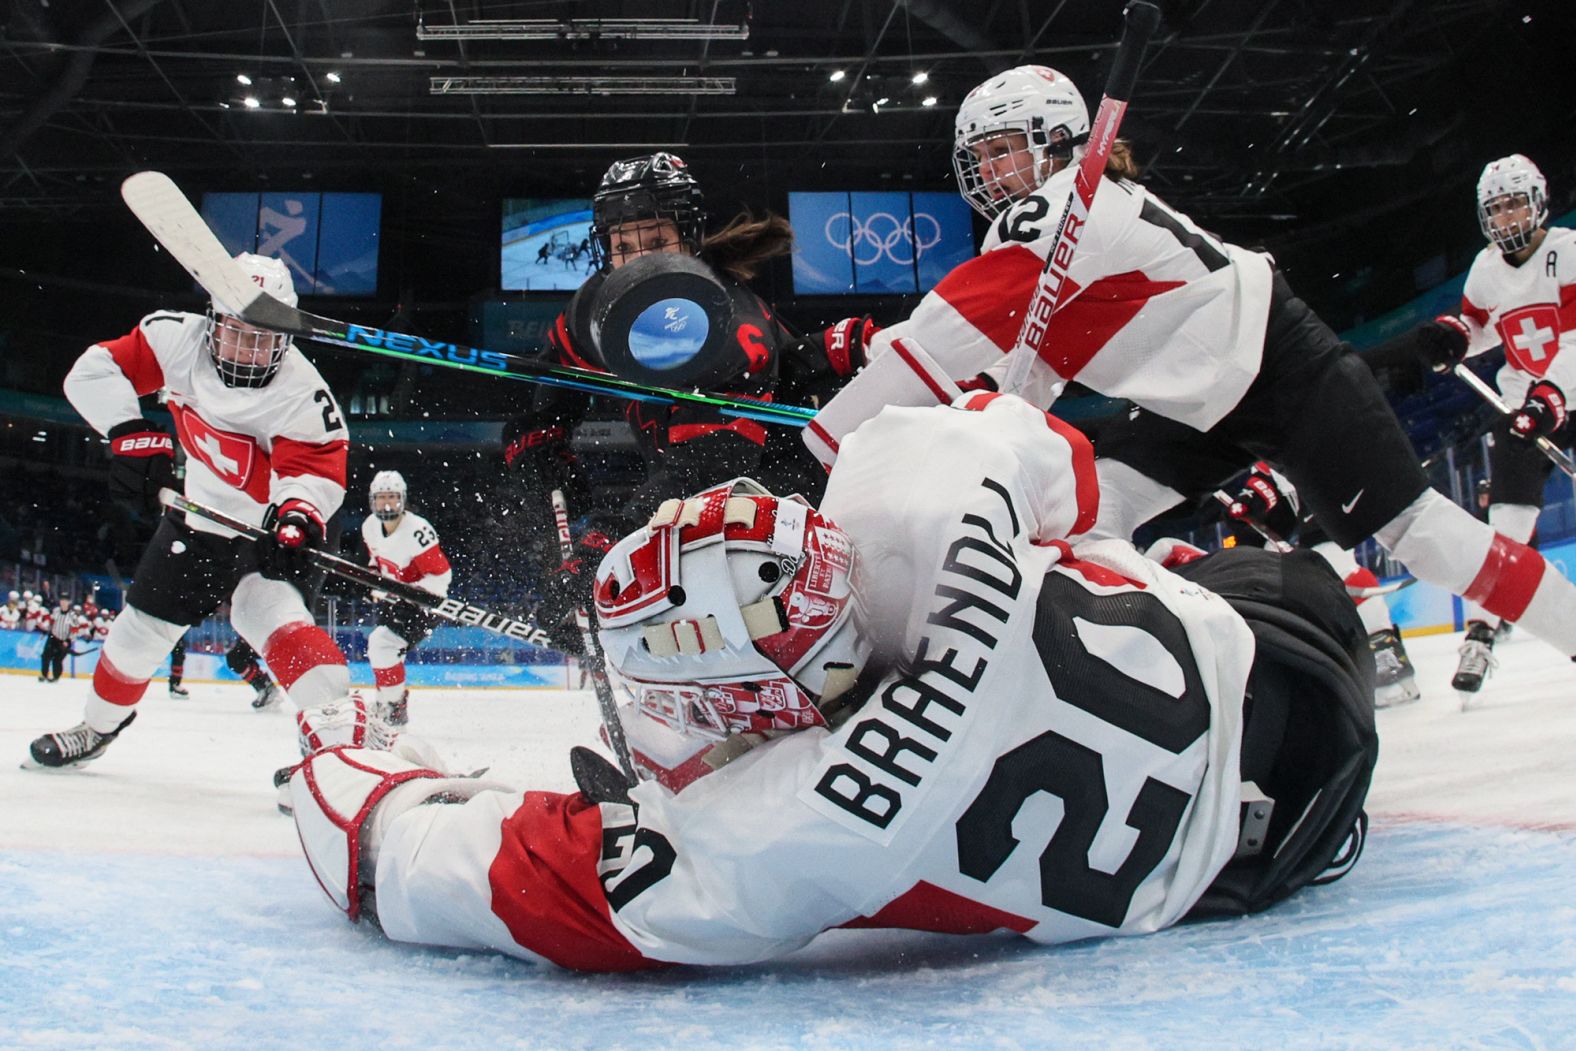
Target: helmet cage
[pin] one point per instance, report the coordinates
(731, 613)
(1044, 146)
(644, 189)
(265, 350)
(1518, 235)
(387, 482)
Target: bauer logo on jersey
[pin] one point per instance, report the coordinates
(1531, 336)
(233, 457)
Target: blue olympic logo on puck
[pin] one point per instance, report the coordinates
(668, 333)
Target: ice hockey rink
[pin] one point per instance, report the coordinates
(156, 899)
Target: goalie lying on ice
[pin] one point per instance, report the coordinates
(925, 705)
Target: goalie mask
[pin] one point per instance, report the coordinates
(646, 205)
(729, 618)
(1513, 202)
(1008, 132)
(390, 485)
(245, 355)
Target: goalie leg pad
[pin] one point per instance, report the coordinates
(334, 793)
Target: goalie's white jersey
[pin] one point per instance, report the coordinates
(1056, 753)
(1531, 309)
(410, 553)
(246, 448)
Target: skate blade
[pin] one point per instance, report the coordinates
(33, 764)
(1468, 697)
(1397, 695)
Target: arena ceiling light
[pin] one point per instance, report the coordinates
(583, 29)
(581, 85)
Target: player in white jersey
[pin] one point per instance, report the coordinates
(1224, 362)
(265, 443)
(1520, 294)
(924, 706)
(402, 546)
(11, 613)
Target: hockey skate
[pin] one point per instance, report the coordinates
(396, 712)
(179, 692)
(1395, 682)
(1477, 661)
(74, 747)
(270, 696)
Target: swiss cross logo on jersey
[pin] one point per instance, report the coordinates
(232, 457)
(1531, 336)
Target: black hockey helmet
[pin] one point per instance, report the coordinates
(658, 186)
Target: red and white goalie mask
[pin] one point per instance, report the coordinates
(245, 355)
(729, 618)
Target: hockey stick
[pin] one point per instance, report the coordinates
(593, 652)
(1561, 459)
(447, 608)
(172, 220)
(1140, 18)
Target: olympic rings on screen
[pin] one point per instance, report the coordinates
(882, 235)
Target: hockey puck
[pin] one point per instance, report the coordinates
(666, 320)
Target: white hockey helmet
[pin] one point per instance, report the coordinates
(729, 618)
(1502, 182)
(13, 597)
(1037, 102)
(244, 355)
(387, 482)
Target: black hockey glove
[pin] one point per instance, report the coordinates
(539, 458)
(1443, 342)
(567, 587)
(1260, 500)
(144, 463)
(295, 530)
(1540, 415)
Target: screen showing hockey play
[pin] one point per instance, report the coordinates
(546, 244)
(883, 243)
(329, 240)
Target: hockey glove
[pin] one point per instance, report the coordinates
(144, 463)
(1260, 500)
(1443, 342)
(1540, 415)
(567, 589)
(539, 458)
(817, 365)
(295, 530)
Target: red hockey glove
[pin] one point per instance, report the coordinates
(144, 463)
(1540, 415)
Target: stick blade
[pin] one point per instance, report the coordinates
(161, 207)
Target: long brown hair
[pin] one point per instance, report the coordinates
(741, 247)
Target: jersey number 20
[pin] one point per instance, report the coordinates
(1075, 773)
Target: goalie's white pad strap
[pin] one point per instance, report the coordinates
(333, 793)
(906, 375)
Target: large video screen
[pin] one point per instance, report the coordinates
(546, 244)
(329, 240)
(882, 243)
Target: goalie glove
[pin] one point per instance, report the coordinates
(1540, 415)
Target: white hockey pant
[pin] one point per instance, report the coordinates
(136, 645)
(1444, 545)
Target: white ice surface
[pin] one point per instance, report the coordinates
(155, 899)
